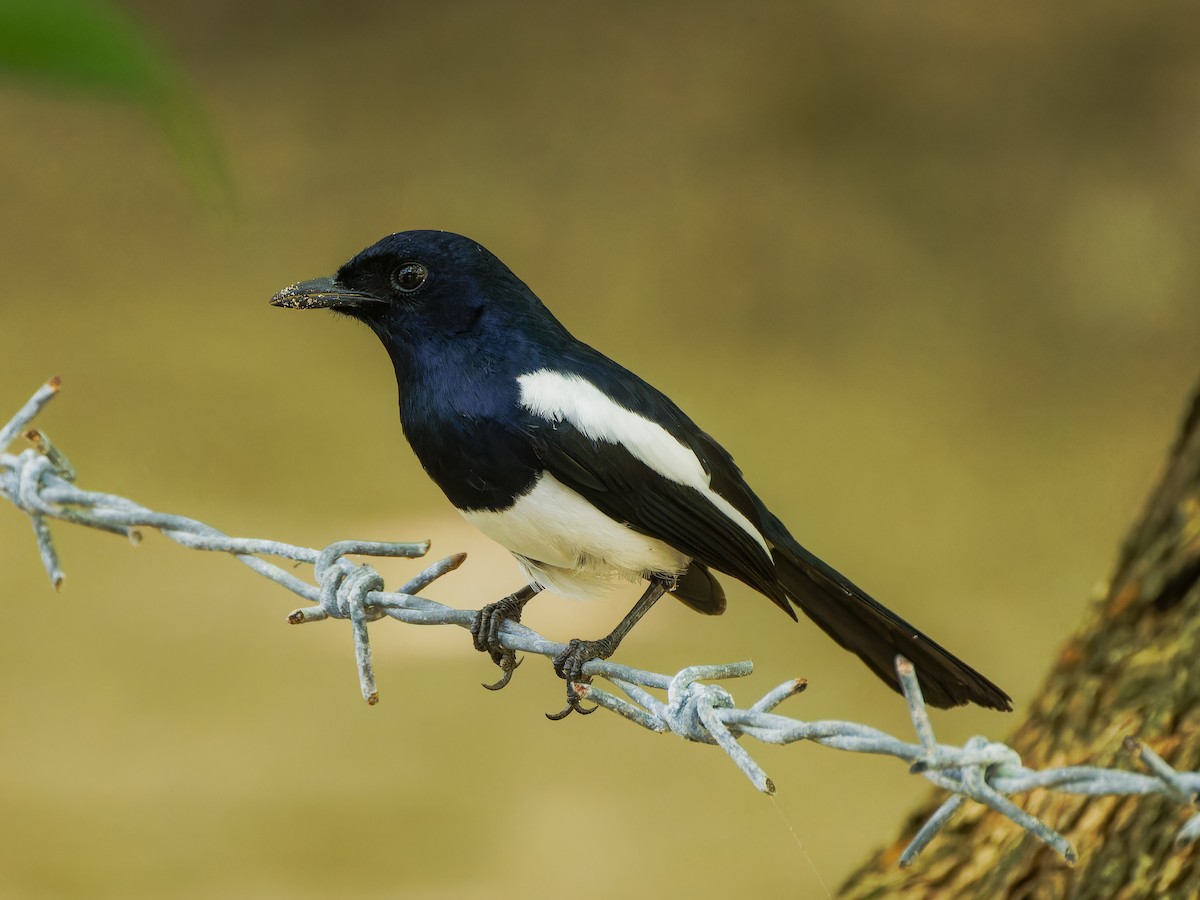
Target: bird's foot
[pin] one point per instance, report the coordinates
(485, 632)
(569, 666)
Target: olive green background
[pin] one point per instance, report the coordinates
(927, 270)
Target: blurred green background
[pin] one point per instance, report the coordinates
(928, 271)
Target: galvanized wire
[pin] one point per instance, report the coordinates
(40, 481)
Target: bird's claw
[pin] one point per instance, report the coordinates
(574, 703)
(508, 664)
(569, 666)
(578, 653)
(485, 633)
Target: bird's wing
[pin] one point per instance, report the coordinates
(651, 470)
(654, 470)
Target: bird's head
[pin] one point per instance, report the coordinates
(423, 291)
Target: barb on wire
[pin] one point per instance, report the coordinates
(40, 482)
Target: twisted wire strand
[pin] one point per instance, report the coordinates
(40, 482)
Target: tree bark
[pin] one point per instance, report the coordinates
(1131, 669)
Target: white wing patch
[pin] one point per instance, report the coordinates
(560, 396)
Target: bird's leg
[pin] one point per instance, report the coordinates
(485, 630)
(569, 664)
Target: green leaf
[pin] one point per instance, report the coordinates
(88, 45)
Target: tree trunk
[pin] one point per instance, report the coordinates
(1130, 670)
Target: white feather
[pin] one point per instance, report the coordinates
(567, 545)
(559, 396)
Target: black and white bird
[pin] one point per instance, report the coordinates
(589, 476)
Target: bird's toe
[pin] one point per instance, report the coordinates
(485, 634)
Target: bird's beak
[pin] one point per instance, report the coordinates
(322, 293)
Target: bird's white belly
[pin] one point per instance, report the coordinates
(568, 546)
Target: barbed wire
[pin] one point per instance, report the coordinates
(40, 482)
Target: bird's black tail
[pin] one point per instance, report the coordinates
(875, 634)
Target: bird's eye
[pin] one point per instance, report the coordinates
(409, 277)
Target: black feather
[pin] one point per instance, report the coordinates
(699, 589)
(876, 635)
